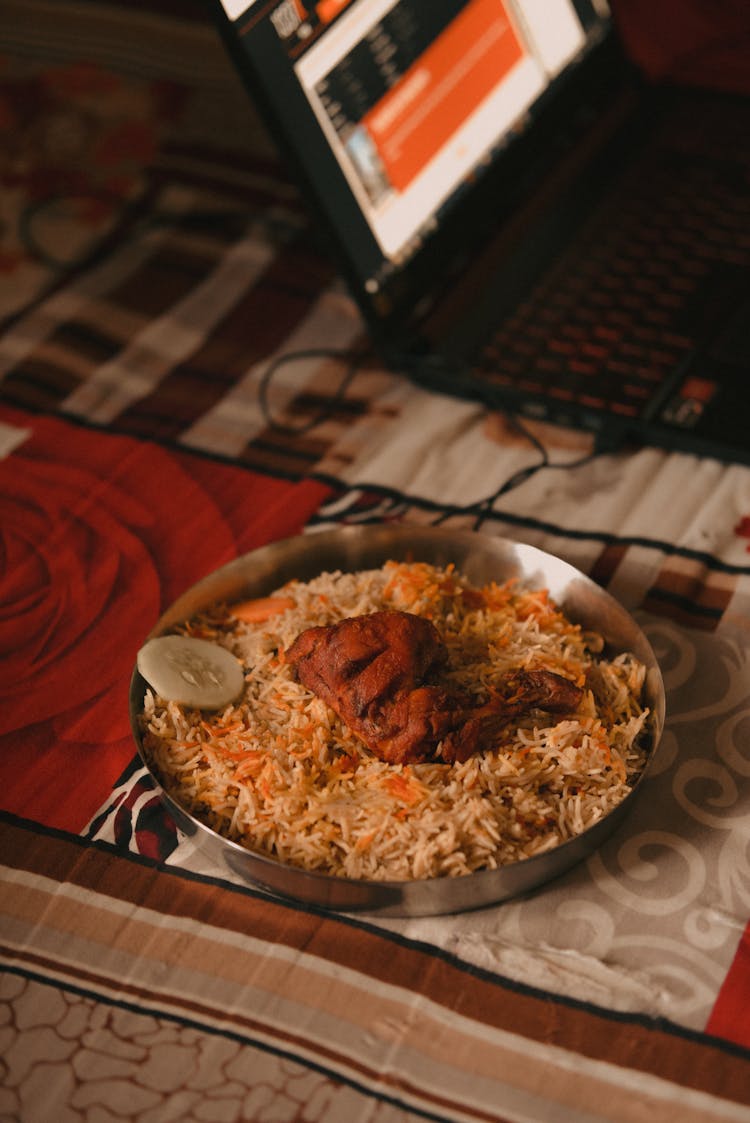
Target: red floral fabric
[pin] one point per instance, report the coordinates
(98, 534)
(729, 1018)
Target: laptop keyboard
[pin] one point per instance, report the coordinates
(626, 304)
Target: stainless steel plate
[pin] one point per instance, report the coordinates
(481, 559)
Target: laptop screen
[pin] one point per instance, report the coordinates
(393, 110)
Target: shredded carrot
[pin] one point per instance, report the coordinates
(229, 753)
(343, 765)
(263, 608)
(364, 840)
(222, 730)
(534, 604)
(251, 765)
(401, 786)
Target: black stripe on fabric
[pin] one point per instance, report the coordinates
(231, 1035)
(643, 1021)
(606, 538)
(693, 608)
(85, 341)
(38, 387)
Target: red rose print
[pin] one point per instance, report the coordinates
(742, 529)
(98, 534)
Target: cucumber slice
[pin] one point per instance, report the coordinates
(194, 672)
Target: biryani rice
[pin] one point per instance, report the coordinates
(279, 772)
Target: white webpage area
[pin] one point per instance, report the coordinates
(551, 33)
(237, 8)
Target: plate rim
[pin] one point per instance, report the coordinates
(407, 897)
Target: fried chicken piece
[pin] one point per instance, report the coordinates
(525, 690)
(372, 671)
(357, 665)
(522, 691)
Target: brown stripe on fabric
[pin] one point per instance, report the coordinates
(695, 582)
(495, 1069)
(290, 457)
(85, 340)
(243, 987)
(38, 384)
(123, 325)
(238, 1021)
(686, 616)
(249, 986)
(312, 422)
(57, 366)
(691, 594)
(607, 564)
(254, 327)
(222, 985)
(164, 277)
(311, 402)
(700, 1064)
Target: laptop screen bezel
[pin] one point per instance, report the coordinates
(394, 311)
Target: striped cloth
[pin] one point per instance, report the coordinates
(182, 993)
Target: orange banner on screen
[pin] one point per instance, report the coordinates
(442, 88)
(327, 10)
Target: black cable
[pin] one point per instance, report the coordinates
(353, 360)
(482, 508)
(28, 217)
(127, 218)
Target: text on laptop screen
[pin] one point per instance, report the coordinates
(395, 105)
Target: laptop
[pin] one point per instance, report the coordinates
(522, 219)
